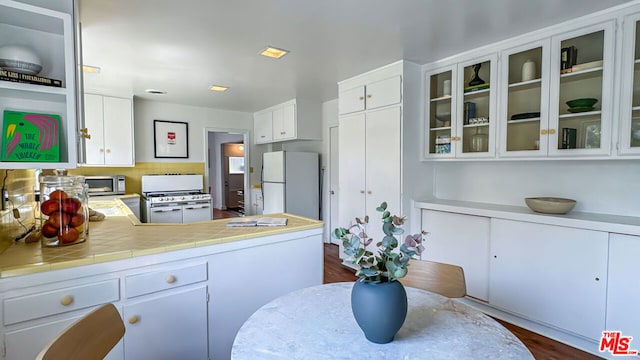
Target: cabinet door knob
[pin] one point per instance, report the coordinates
(108, 151)
(133, 319)
(361, 98)
(369, 192)
(552, 131)
(369, 96)
(66, 301)
(361, 191)
(262, 136)
(282, 132)
(597, 279)
(171, 279)
(101, 150)
(543, 132)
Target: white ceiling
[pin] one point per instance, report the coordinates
(185, 46)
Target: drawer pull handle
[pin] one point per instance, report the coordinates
(67, 300)
(171, 279)
(133, 319)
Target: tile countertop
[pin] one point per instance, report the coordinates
(121, 236)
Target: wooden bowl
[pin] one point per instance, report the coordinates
(550, 205)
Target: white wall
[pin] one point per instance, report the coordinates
(199, 118)
(602, 186)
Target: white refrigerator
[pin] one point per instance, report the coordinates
(291, 183)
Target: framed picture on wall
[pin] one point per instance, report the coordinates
(170, 139)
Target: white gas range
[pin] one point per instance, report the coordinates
(174, 199)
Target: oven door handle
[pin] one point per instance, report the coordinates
(166, 210)
(196, 207)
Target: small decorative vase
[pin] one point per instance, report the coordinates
(476, 78)
(528, 70)
(379, 309)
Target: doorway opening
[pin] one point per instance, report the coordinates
(227, 173)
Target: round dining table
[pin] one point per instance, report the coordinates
(317, 323)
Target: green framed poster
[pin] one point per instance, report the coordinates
(30, 137)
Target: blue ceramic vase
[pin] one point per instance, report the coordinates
(379, 309)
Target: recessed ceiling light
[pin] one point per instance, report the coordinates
(273, 52)
(155, 92)
(219, 88)
(90, 69)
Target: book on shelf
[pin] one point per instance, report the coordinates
(13, 76)
(476, 87)
(263, 221)
(569, 137)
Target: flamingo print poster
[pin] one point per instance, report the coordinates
(30, 137)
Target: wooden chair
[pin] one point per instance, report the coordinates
(439, 278)
(91, 337)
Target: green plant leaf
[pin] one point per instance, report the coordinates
(387, 228)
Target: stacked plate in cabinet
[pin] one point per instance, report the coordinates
(581, 105)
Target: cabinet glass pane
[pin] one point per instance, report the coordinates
(475, 134)
(635, 113)
(440, 113)
(523, 108)
(580, 78)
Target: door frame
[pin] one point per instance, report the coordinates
(333, 217)
(247, 158)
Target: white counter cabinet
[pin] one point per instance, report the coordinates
(185, 303)
(568, 277)
(554, 274)
(623, 290)
(466, 246)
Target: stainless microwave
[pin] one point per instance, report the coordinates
(105, 184)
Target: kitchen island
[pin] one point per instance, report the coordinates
(183, 289)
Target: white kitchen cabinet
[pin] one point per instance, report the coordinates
(167, 325)
(371, 96)
(524, 105)
(584, 131)
(109, 124)
(51, 35)
(284, 123)
(553, 274)
(629, 131)
(369, 166)
(461, 124)
(297, 119)
(449, 242)
(263, 127)
(372, 108)
(36, 315)
(623, 290)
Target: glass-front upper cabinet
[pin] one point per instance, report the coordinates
(441, 106)
(580, 93)
(524, 101)
(476, 108)
(38, 123)
(629, 135)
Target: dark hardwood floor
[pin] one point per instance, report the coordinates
(224, 214)
(541, 347)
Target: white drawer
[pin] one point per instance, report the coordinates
(54, 302)
(151, 282)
